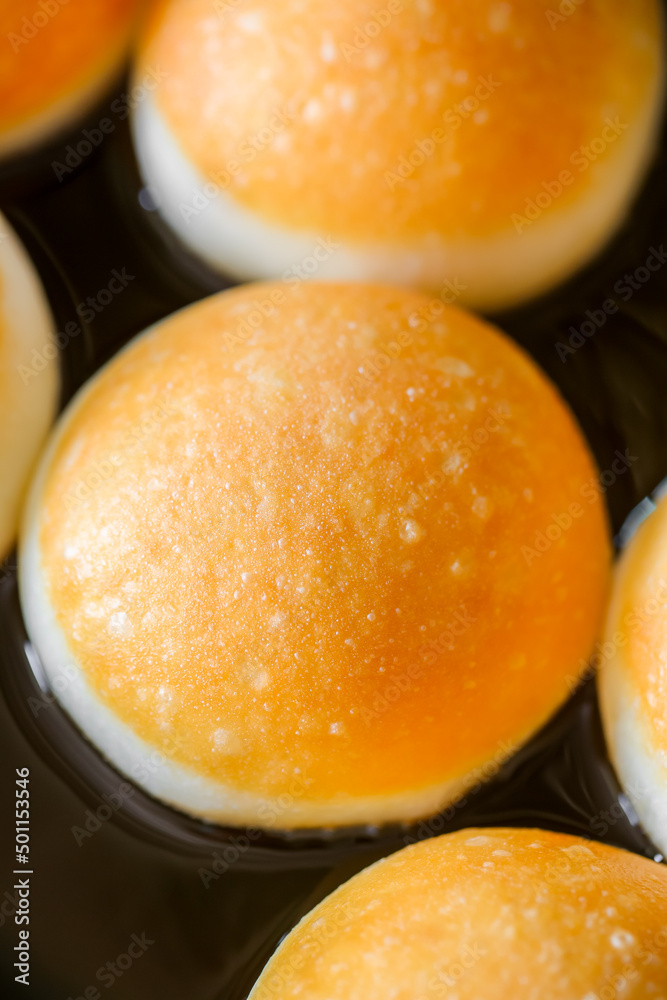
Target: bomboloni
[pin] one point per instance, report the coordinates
(632, 674)
(481, 146)
(29, 379)
(493, 914)
(277, 541)
(57, 58)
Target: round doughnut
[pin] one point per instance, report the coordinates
(482, 147)
(633, 673)
(487, 914)
(286, 541)
(29, 381)
(56, 60)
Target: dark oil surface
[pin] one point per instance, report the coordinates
(143, 871)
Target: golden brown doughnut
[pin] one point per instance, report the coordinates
(285, 539)
(493, 914)
(488, 144)
(56, 59)
(633, 673)
(29, 379)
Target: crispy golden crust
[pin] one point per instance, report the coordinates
(298, 550)
(493, 914)
(302, 113)
(47, 55)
